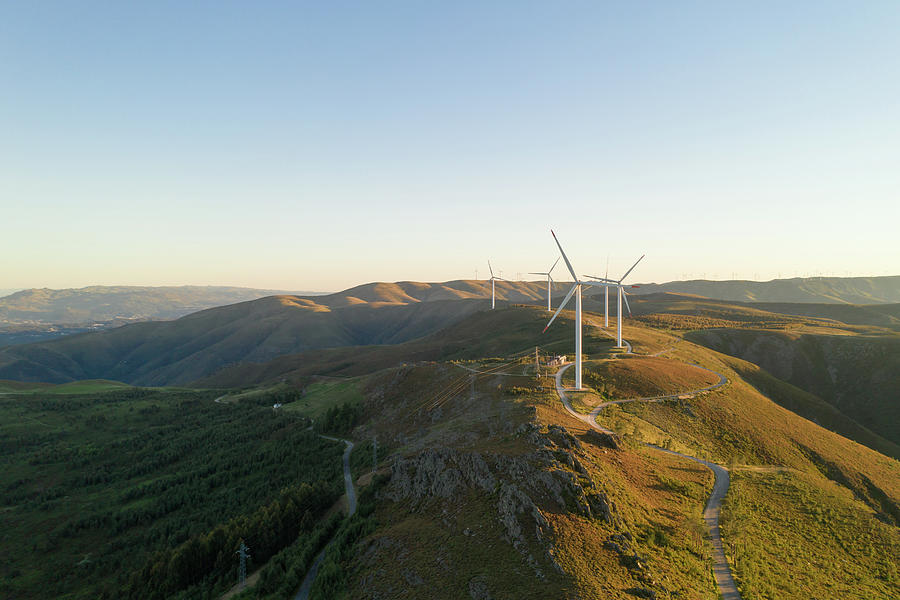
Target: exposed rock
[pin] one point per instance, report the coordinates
(478, 589)
(642, 593)
(438, 473)
(604, 440)
(561, 436)
(412, 578)
(618, 543)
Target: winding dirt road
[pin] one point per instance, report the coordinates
(721, 569)
(306, 586)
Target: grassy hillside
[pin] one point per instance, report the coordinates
(858, 375)
(485, 499)
(145, 493)
(487, 495)
(194, 346)
(514, 329)
(828, 290)
(164, 353)
(640, 377)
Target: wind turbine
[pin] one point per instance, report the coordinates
(549, 282)
(576, 289)
(621, 294)
(493, 279)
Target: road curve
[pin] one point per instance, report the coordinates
(722, 381)
(721, 569)
(306, 586)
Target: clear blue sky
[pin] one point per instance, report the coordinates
(317, 145)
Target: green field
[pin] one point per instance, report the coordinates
(318, 397)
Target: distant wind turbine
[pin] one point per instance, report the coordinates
(603, 281)
(493, 279)
(549, 283)
(576, 289)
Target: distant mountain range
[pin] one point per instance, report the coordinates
(824, 290)
(111, 305)
(102, 304)
(181, 351)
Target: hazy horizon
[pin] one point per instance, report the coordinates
(560, 281)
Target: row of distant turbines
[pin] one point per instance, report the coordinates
(592, 280)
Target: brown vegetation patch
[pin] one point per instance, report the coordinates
(646, 377)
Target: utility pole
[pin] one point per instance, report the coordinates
(242, 552)
(537, 362)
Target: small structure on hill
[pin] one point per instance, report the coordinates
(557, 361)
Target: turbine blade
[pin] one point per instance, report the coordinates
(554, 265)
(490, 269)
(565, 258)
(538, 273)
(599, 284)
(601, 278)
(561, 305)
(607, 267)
(632, 268)
(625, 297)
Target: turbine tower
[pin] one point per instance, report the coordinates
(493, 279)
(549, 283)
(606, 297)
(576, 289)
(621, 294)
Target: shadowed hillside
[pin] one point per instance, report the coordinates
(828, 290)
(858, 375)
(162, 353)
(762, 313)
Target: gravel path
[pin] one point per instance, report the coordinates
(721, 569)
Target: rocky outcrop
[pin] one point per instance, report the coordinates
(478, 589)
(438, 473)
(603, 440)
(554, 473)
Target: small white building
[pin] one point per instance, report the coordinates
(557, 361)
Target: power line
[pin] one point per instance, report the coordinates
(242, 552)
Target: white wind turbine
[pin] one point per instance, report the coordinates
(621, 294)
(549, 283)
(493, 279)
(576, 289)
